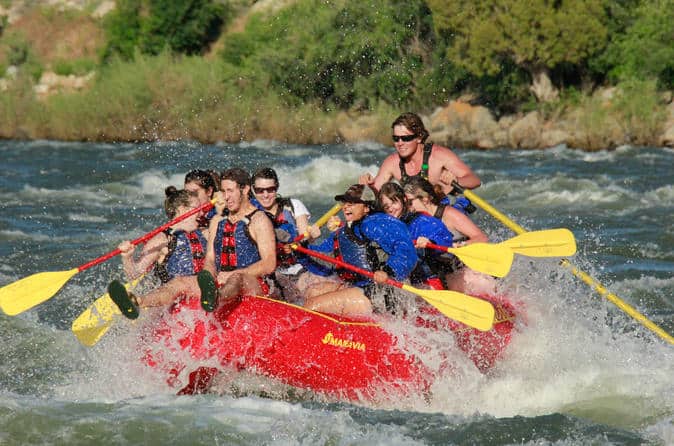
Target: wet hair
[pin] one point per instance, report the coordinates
(413, 123)
(236, 174)
(174, 199)
(266, 173)
(204, 178)
(392, 191)
(421, 188)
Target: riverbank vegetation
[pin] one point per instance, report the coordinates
(288, 70)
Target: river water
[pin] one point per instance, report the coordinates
(578, 371)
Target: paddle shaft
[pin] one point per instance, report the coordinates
(323, 220)
(344, 265)
(147, 236)
(589, 280)
(438, 247)
(469, 310)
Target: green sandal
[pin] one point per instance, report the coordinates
(125, 301)
(209, 292)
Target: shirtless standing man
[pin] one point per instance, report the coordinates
(413, 157)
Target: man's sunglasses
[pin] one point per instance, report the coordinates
(269, 190)
(405, 138)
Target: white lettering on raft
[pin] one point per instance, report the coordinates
(344, 343)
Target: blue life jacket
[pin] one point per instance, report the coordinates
(377, 242)
(234, 248)
(185, 257)
(285, 229)
(421, 224)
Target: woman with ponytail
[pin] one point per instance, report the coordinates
(422, 196)
(176, 255)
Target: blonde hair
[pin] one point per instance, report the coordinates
(422, 188)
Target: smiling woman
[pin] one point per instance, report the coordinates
(372, 241)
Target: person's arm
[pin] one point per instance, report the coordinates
(262, 231)
(134, 267)
(426, 228)
(462, 223)
(453, 168)
(209, 260)
(394, 238)
(302, 215)
(386, 172)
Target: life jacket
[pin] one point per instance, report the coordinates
(423, 172)
(432, 264)
(234, 247)
(351, 246)
(186, 255)
(285, 228)
(457, 235)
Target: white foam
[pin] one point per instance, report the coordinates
(87, 218)
(322, 176)
(16, 234)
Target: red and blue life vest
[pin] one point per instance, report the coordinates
(186, 256)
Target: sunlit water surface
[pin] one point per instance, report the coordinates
(578, 371)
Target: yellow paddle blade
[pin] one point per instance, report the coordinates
(24, 294)
(96, 320)
(548, 243)
(469, 310)
(486, 258)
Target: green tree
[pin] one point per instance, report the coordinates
(183, 26)
(122, 28)
(537, 35)
(646, 50)
(340, 53)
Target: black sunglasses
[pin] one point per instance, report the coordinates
(269, 190)
(405, 138)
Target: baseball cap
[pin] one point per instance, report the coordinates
(357, 193)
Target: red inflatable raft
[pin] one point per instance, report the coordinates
(342, 358)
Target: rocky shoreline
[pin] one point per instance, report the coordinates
(460, 124)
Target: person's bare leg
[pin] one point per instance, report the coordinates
(236, 285)
(319, 288)
(468, 281)
(170, 292)
(344, 302)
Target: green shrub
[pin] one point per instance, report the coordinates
(638, 105)
(77, 67)
(343, 54)
(183, 26)
(645, 51)
(17, 49)
(122, 28)
(19, 53)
